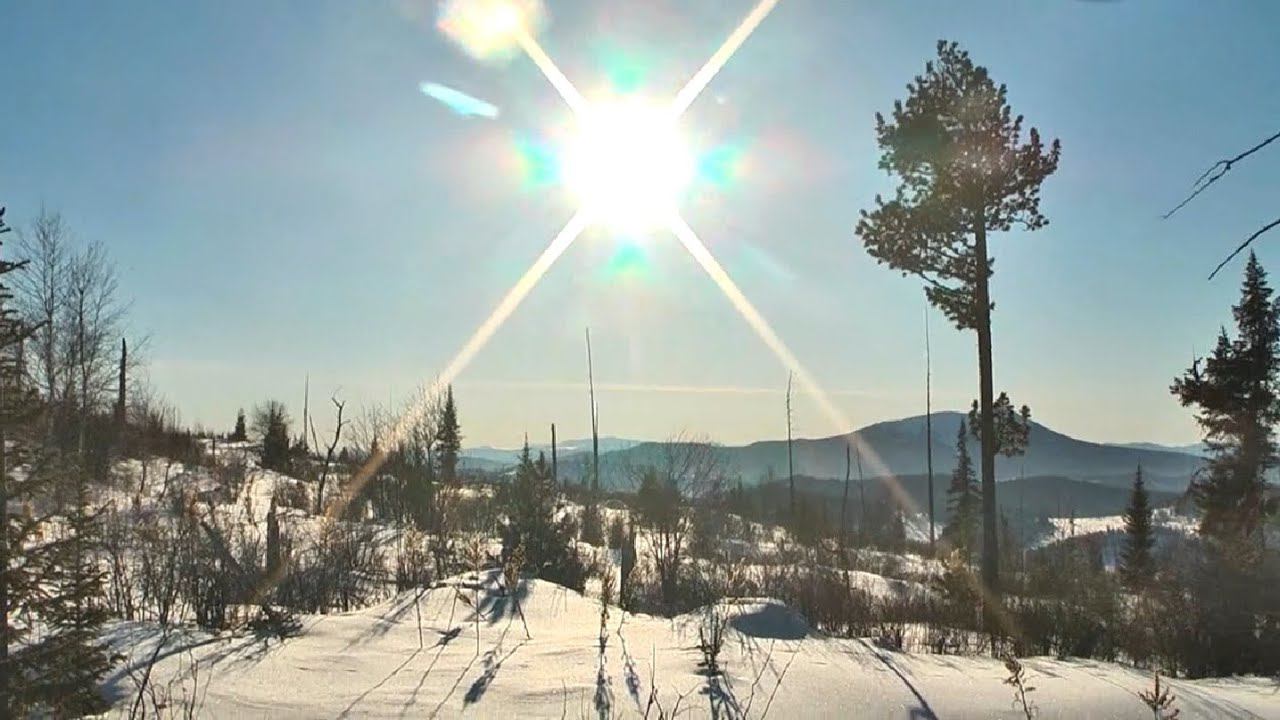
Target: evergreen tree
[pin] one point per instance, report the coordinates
(1011, 427)
(963, 499)
(448, 441)
(592, 530)
(1136, 565)
(1235, 393)
(965, 172)
(71, 660)
(896, 531)
(271, 424)
(534, 526)
(239, 434)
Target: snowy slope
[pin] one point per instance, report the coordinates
(380, 663)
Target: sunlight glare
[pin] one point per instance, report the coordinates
(628, 165)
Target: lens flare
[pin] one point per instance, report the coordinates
(489, 28)
(539, 164)
(630, 261)
(459, 102)
(720, 166)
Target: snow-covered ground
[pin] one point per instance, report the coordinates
(1163, 518)
(380, 662)
(418, 655)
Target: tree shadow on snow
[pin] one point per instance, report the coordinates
(497, 604)
(383, 625)
(113, 689)
(482, 683)
(721, 699)
(923, 710)
(491, 664)
(631, 677)
(770, 621)
(360, 698)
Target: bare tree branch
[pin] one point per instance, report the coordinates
(1244, 245)
(1215, 173)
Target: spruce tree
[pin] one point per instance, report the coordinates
(1135, 557)
(1235, 392)
(448, 441)
(964, 172)
(271, 424)
(239, 434)
(963, 499)
(71, 660)
(532, 507)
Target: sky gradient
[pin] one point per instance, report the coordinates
(282, 199)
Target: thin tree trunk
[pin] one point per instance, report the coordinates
(555, 466)
(844, 504)
(595, 427)
(990, 528)
(928, 422)
(306, 403)
(862, 498)
(791, 471)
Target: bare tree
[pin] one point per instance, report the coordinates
(688, 472)
(40, 289)
(93, 317)
(329, 451)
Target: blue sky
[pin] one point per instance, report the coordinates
(282, 200)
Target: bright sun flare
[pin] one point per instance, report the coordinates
(628, 165)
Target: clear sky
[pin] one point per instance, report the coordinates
(282, 200)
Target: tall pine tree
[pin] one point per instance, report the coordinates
(965, 171)
(1235, 392)
(448, 441)
(963, 500)
(1136, 564)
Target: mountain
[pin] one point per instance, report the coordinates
(486, 457)
(1198, 449)
(897, 448)
(1029, 498)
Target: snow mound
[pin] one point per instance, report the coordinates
(767, 619)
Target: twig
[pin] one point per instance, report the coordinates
(1216, 171)
(1244, 245)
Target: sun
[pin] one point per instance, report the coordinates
(628, 165)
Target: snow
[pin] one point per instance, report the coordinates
(1162, 518)
(379, 663)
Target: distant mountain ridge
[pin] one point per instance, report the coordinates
(897, 448)
(1198, 449)
(564, 448)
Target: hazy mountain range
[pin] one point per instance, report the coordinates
(893, 448)
(486, 457)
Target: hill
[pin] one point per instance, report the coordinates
(897, 448)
